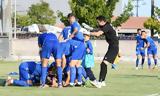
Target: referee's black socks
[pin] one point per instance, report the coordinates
(103, 72)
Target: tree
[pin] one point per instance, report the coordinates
(63, 18)
(153, 22)
(87, 10)
(124, 16)
(41, 13)
(23, 20)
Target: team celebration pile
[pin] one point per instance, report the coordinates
(73, 56)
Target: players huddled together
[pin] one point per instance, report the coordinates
(73, 56)
(73, 60)
(145, 42)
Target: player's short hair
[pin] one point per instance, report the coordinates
(143, 31)
(101, 18)
(138, 29)
(70, 15)
(86, 35)
(42, 28)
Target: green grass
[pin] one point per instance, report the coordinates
(126, 81)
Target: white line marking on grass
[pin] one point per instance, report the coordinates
(156, 94)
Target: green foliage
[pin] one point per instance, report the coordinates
(154, 23)
(23, 20)
(63, 18)
(41, 13)
(87, 10)
(157, 11)
(124, 16)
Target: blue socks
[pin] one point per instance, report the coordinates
(155, 62)
(59, 73)
(149, 62)
(143, 59)
(137, 62)
(20, 83)
(72, 75)
(43, 75)
(79, 71)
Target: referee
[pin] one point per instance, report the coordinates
(113, 49)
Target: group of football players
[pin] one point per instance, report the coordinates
(73, 59)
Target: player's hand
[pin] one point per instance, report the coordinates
(88, 50)
(99, 33)
(71, 36)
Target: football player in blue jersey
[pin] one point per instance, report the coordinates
(29, 75)
(48, 43)
(77, 48)
(64, 35)
(151, 49)
(140, 51)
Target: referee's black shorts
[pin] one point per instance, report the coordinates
(112, 53)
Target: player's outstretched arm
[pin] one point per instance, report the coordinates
(98, 33)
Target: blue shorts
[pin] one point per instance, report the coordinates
(60, 52)
(152, 51)
(49, 47)
(140, 52)
(77, 49)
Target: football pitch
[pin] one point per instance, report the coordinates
(125, 81)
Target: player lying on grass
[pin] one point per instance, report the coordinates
(29, 75)
(151, 49)
(140, 50)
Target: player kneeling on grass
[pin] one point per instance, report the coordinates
(29, 75)
(151, 49)
(88, 61)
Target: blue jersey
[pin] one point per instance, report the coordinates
(78, 35)
(46, 37)
(89, 46)
(88, 60)
(33, 71)
(41, 38)
(66, 32)
(151, 42)
(140, 42)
